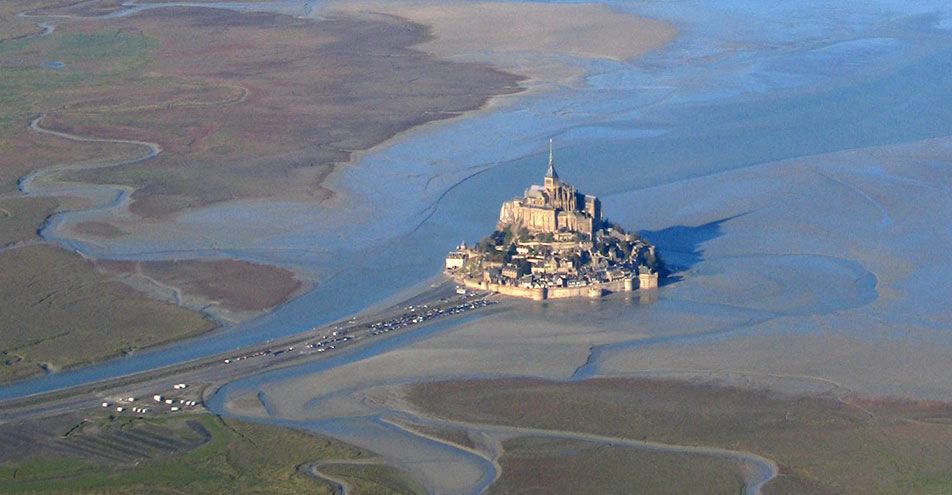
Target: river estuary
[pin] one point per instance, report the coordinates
(792, 162)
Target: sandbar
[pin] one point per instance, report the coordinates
(491, 27)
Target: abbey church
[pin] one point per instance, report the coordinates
(551, 208)
(553, 243)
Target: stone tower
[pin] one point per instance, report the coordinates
(553, 207)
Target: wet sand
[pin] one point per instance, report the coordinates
(474, 28)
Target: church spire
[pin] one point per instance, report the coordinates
(550, 174)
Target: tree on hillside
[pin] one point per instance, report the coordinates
(523, 234)
(524, 267)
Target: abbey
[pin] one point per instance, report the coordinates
(551, 208)
(554, 243)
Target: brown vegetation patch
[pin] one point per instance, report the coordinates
(268, 97)
(822, 444)
(557, 466)
(244, 105)
(14, 27)
(22, 151)
(95, 129)
(159, 96)
(237, 285)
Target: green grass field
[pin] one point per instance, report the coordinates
(375, 479)
(231, 457)
(19, 218)
(58, 311)
(91, 61)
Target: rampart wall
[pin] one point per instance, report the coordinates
(540, 294)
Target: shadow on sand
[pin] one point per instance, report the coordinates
(680, 246)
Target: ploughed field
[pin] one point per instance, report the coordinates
(822, 444)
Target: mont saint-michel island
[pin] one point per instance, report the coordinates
(554, 243)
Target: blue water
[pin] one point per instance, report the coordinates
(740, 86)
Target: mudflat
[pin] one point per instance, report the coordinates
(493, 27)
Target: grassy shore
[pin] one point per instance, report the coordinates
(59, 311)
(200, 454)
(823, 445)
(374, 479)
(20, 218)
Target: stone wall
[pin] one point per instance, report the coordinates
(539, 294)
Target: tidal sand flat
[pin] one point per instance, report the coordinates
(844, 277)
(492, 29)
(571, 466)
